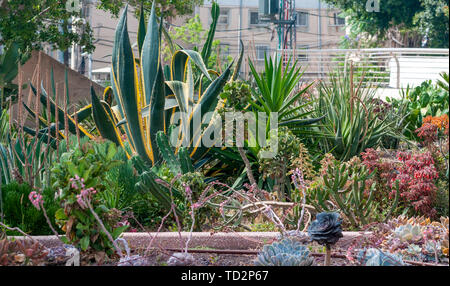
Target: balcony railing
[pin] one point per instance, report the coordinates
(387, 67)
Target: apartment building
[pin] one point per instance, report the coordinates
(318, 26)
(103, 24)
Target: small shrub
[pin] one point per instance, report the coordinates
(18, 211)
(416, 175)
(80, 177)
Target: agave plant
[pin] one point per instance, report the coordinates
(287, 252)
(148, 96)
(351, 125)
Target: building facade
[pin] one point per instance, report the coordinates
(318, 26)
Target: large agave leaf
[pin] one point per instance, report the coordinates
(206, 50)
(150, 55)
(180, 61)
(127, 89)
(208, 102)
(104, 120)
(157, 121)
(141, 30)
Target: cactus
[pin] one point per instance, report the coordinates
(177, 165)
(376, 257)
(346, 186)
(185, 161)
(167, 153)
(149, 182)
(287, 252)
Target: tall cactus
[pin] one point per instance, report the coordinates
(347, 188)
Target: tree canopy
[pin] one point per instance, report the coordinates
(427, 17)
(170, 8)
(33, 23)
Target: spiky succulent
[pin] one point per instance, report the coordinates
(286, 252)
(376, 257)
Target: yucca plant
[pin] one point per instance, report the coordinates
(4, 125)
(351, 125)
(279, 91)
(23, 160)
(147, 95)
(443, 82)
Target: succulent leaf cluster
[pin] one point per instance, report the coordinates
(376, 257)
(408, 232)
(287, 252)
(416, 238)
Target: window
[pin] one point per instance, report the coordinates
(337, 21)
(223, 17)
(261, 52)
(224, 50)
(254, 18)
(302, 57)
(302, 19)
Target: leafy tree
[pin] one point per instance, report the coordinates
(171, 8)
(31, 23)
(406, 16)
(433, 22)
(191, 35)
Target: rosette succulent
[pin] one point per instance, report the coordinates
(376, 257)
(287, 252)
(326, 229)
(408, 232)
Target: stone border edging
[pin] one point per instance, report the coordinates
(219, 240)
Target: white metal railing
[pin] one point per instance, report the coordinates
(389, 67)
